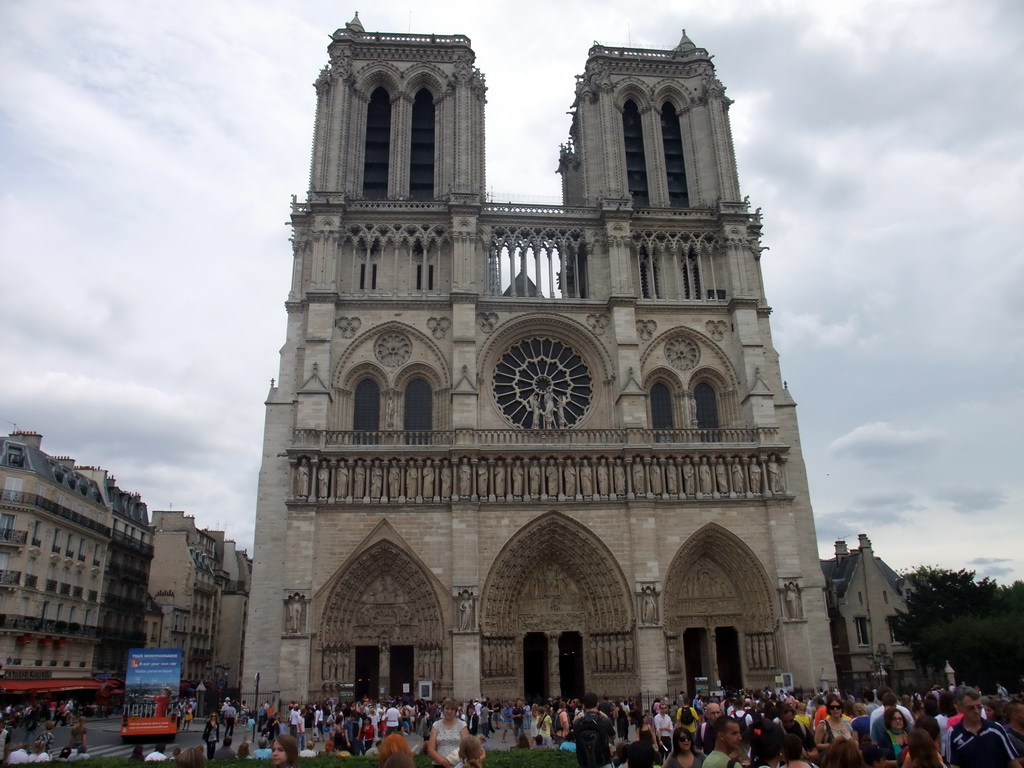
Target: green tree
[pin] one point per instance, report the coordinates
(937, 596)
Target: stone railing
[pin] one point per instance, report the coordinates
(711, 473)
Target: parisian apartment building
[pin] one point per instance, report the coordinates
(85, 576)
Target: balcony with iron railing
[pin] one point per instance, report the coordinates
(141, 547)
(41, 502)
(127, 572)
(47, 626)
(10, 578)
(12, 536)
(31, 580)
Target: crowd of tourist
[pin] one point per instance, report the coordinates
(955, 727)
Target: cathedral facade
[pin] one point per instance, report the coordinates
(525, 449)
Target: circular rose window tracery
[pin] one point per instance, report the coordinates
(541, 383)
(393, 349)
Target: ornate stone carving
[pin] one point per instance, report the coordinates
(682, 353)
(295, 613)
(645, 329)
(465, 604)
(716, 329)
(647, 599)
(438, 326)
(487, 321)
(793, 600)
(598, 323)
(392, 349)
(348, 326)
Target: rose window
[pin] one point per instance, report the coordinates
(393, 349)
(542, 384)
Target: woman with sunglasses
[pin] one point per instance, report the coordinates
(682, 754)
(832, 727)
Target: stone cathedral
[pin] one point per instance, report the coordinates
(528, 449)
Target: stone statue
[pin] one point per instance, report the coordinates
(394, 480)
(428, 478)
(639, 478)
(774, 476)
(498, 480)
(619, 477)
(739, 484)
(412, 480)
(721, 477)
(482, 470)
(446, 479)
(341, 480)
(517, 478)
(560, 410)
(602, 477)
(302, 487)
(549, 410)
(570, 478)
(655, 477)
(586, 479)
(672, 477)
(534, 478)
(755, 476)
(465, 478)
(323, 480)
(385, 653)
(673, 656)
(689, 484)
(376, 479)
(359, 480)
(794, 605)
(648, 606)
(705, 476)
(551, 475)
(467, 610)
(296, 605)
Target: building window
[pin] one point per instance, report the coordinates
(706, 405)
(636, 162)
(862, 631)
(893, 637)
(366, 415)
(421, 169)
(661, 407)
(56, 540)
(419, 406)
(377, 163)
(675, 166)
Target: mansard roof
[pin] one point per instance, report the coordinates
(839, 572)
(19, 451)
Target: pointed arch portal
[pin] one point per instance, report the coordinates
(557, 614)
(381, 625)
(719, 614)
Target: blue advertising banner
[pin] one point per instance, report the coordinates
(151, 685)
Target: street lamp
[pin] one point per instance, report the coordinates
(879, 660)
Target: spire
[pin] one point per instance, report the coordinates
(685, 44)
(357, 26)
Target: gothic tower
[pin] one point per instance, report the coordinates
(520, 449)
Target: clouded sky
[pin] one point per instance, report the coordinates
(148, 151)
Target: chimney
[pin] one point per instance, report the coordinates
(29, 438)
(841, 550)
(65, 461)
(865, 544)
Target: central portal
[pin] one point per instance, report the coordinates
(538, 683)
(570, 665)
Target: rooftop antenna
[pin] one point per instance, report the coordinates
(629, 36)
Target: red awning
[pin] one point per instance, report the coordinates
(49, 685)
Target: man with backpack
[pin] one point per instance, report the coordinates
(594, 734)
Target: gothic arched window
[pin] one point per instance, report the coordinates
(675, 166)
(421, 168)
(419, 406)
(366, 410)
(661, 407)
(707, 406)
(377, 163)
(636, 162)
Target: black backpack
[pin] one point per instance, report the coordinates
(591, 741)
